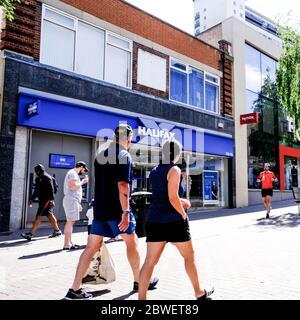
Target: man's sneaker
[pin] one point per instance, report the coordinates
(27, 235)
(152, 284)
(81, 294)
(55, 234)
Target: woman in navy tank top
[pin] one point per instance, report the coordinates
(167, 221)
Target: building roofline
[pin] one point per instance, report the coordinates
(260, 15)
(170, 25)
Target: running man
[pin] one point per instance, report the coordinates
(267, 178)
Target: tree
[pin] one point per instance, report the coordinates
(9, 7)
(288, 74)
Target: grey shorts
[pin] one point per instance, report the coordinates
(72, 209)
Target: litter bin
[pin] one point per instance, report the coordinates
(140, 202)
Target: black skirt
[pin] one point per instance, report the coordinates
(177, 231)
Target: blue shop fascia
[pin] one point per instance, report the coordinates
(66, 117)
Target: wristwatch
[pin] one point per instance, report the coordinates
(126, 212)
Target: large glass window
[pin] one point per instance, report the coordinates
(194, 87)
(253, 69)
(73, 45)
(263, 138)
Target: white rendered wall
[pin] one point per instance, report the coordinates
(213, 12)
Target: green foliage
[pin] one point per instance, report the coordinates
(9, 7)
(288, 74)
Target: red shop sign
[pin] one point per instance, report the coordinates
(249, 118)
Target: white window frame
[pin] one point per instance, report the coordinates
(219, 90)
(108, 33)
(44, 8)
(205, 73)
(187, 81)
(75, 29)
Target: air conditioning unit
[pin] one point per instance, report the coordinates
(290, 124)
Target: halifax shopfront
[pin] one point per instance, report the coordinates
(56, 117)
(65, 130)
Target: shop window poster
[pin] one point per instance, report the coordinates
(211, 186)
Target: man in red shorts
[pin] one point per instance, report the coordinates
(267, 178)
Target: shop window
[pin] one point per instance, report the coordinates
(187, 85)
(71, 44)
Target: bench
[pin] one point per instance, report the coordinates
(296, 194)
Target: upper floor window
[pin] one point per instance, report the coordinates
(260, 69)
(194, 87)
(74, 45)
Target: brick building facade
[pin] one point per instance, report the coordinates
(28, 74)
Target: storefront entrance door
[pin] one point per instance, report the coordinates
(70, 148)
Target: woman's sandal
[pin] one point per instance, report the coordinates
(73, 247)
(208, 292)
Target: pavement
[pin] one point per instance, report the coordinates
(242, 254)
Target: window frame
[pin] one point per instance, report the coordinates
(109, 33)
(75, 29)
(44, 8)
(205, 73)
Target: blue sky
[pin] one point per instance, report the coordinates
(180, 13)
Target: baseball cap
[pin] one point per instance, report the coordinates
(82, 164)
(39, 167)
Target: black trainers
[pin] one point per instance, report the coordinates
(55, 234)
(152, 284)
(28, 235)
(267, 216)
(81, 294)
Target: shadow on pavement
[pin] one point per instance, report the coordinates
(223, 212)
(95, 294)
(99, 293)
(42, 233)
(21, 242)
(38, 255)
(125, 296)
(288, 220)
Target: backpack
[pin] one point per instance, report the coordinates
(55, 185)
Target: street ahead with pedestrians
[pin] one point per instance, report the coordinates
(238, 251)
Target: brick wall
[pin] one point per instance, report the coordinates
(142, 88)
(227, 87)
(22, 35)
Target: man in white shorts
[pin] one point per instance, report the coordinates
(72, 200)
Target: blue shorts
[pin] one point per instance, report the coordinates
(110, 228)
